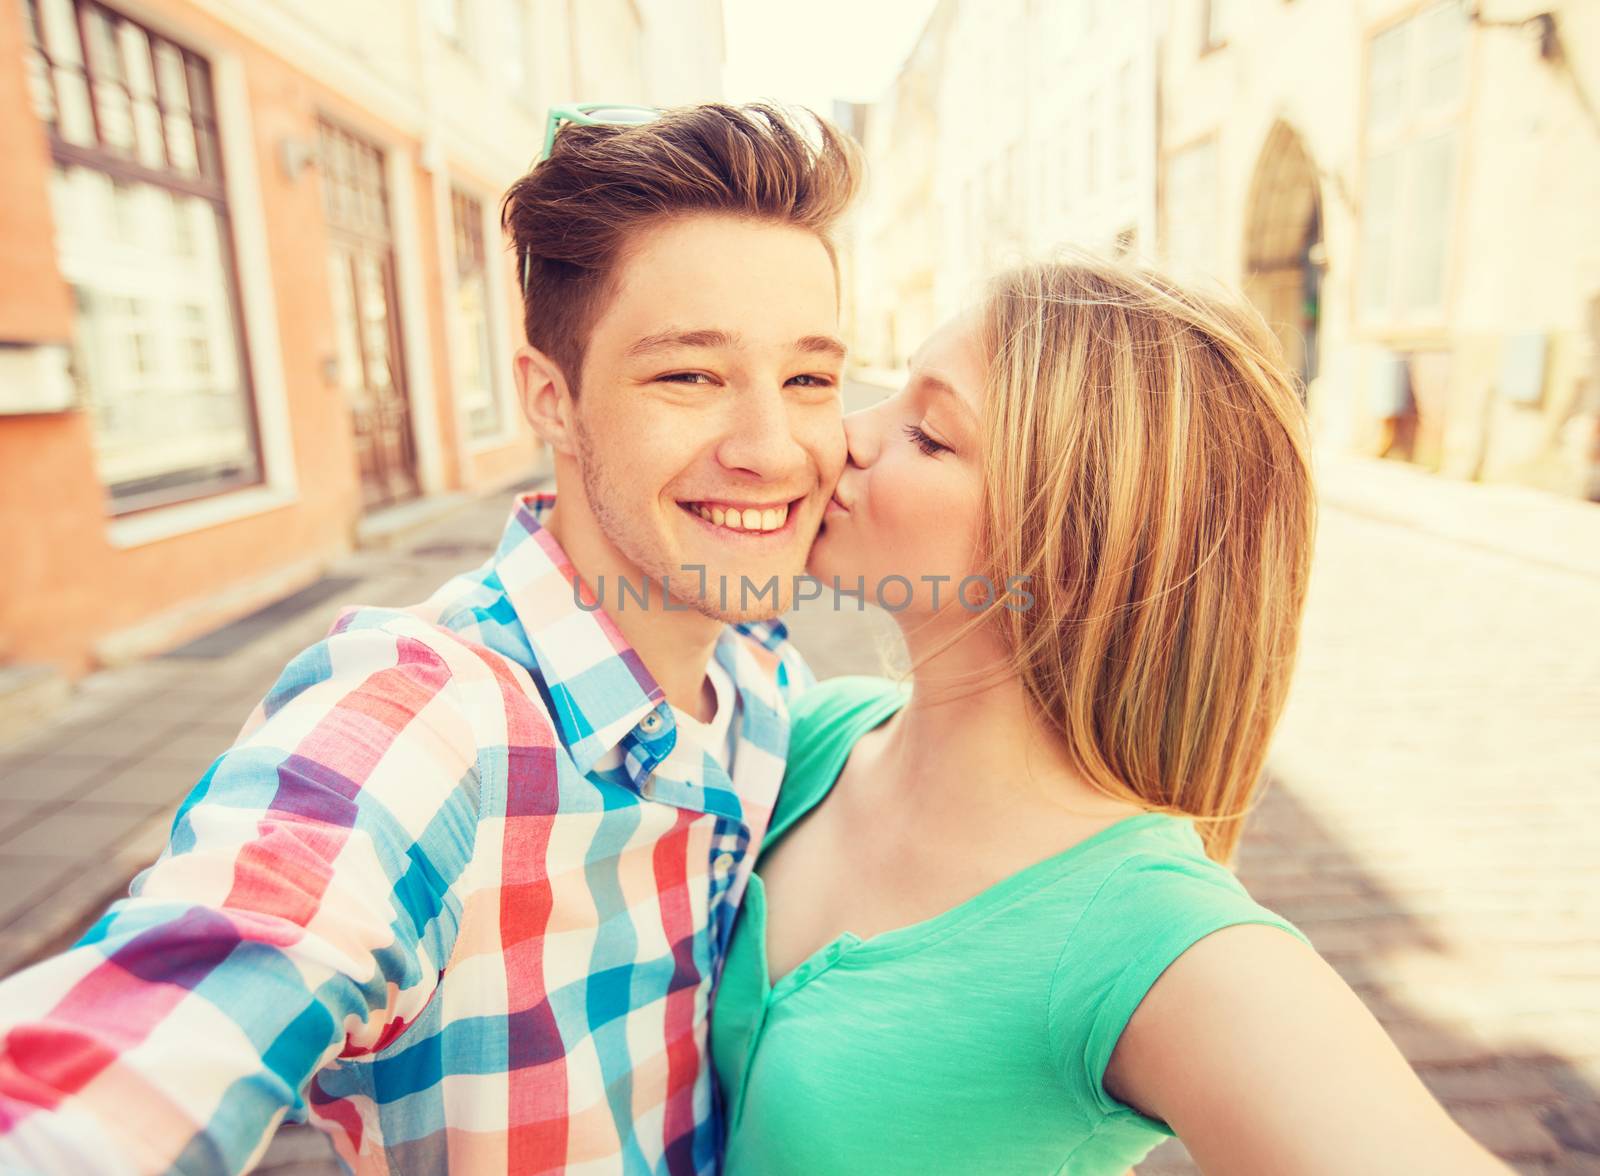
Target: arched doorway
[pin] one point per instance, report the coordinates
(1284, 254)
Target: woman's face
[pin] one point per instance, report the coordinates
(907, 503)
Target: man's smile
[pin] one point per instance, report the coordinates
(746, 519)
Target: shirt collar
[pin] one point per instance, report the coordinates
(596, 686)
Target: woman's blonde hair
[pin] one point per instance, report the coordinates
(1147, 469)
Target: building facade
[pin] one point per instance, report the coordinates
(1015, 129)
(255, 302)
(1407, 190)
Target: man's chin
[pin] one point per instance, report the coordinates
(733, 597)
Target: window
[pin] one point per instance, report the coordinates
(1216, 19)
(475, 363)
(448, 19)
(515, 58)
(1123, 130)
(1415, 91)
(1062, 196)
(1091, 145)
(1192, 209)
(143, 239)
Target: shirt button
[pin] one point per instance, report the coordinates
(722, 864)
(651, 723)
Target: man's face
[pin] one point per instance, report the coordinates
(708, 422)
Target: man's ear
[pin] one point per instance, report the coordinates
(546, 399)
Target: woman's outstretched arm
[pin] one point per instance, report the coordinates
(1263, 1060)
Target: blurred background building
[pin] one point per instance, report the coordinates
(254, 306)
(1407, 189)
(256, 310)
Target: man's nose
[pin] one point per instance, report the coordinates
(761, 438)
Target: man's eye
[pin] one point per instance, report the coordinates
(813, 381)
(684, 378)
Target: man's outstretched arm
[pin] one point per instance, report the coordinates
(303, 911)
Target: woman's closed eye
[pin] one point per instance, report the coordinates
(924, 442)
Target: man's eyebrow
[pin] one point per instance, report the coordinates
(820, 345)
(665, 340)
(710, 337)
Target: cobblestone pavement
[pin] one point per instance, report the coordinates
(1433, 822)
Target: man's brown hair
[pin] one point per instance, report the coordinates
(573, 215)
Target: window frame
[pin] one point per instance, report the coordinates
(470, 254)
(363, 215)
(209, 184)
(1216, 267)
(1415, 126)
(1209, 42)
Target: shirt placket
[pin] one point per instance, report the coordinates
(654, 739)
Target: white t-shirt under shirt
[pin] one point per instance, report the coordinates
(716, 736)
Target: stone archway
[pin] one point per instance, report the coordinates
(1284, 254)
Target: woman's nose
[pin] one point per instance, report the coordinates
(861, 432)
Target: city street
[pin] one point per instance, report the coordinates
(1431, 821)
(264, 266)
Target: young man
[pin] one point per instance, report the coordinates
(460, 892)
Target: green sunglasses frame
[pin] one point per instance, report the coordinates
(583, 114)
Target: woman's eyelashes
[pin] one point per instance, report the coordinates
(922, 441)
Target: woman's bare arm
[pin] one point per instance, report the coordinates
(1264, 1061)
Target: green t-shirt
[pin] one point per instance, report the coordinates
(974, 1041)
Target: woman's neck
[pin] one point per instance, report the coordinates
(971, 737)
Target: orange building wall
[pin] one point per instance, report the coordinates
(65, 586)
(35, 304)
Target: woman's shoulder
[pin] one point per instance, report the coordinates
(1159, 897)
(1157, 885)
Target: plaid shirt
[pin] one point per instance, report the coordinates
(457, 895)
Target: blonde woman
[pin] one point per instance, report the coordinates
(992, 929)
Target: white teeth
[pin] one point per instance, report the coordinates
(749, 519)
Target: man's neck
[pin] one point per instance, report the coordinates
(674, 644)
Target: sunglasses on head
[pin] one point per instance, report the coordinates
(593, 114)
(587, 114)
